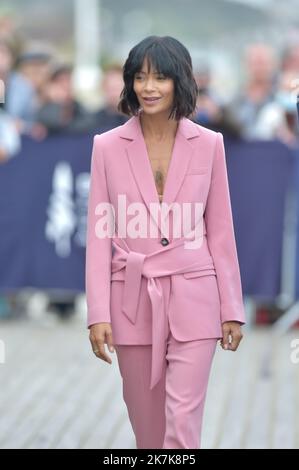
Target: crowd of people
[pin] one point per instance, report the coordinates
(38, 97)
(265, 106)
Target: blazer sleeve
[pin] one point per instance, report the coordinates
(98, 248)
(221, 239)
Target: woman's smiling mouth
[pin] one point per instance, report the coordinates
(151, 100)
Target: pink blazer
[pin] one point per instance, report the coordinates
(123, 271)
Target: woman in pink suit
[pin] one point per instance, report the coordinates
(162, 274)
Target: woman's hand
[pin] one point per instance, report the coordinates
(101, 333)
(232, 335)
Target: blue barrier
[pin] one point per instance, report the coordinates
(43, 203)
(260, 176)
(43, 200)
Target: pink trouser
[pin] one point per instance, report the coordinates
(170, 415)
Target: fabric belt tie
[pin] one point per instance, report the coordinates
(170, 260)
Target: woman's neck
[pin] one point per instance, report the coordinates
(157, 127)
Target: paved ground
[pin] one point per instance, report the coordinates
(55, 394)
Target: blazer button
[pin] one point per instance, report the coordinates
(164, 241)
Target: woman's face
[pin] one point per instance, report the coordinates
(154, 91)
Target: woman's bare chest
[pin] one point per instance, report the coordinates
(160, 156)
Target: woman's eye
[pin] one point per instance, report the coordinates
(161, 77)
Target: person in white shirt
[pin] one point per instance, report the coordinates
(9, 138)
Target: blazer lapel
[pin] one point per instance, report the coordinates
(141, 167)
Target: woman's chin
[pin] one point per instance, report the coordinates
(154, 111)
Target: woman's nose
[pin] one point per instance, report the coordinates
(149, 84)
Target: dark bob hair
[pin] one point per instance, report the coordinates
(168, 57)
